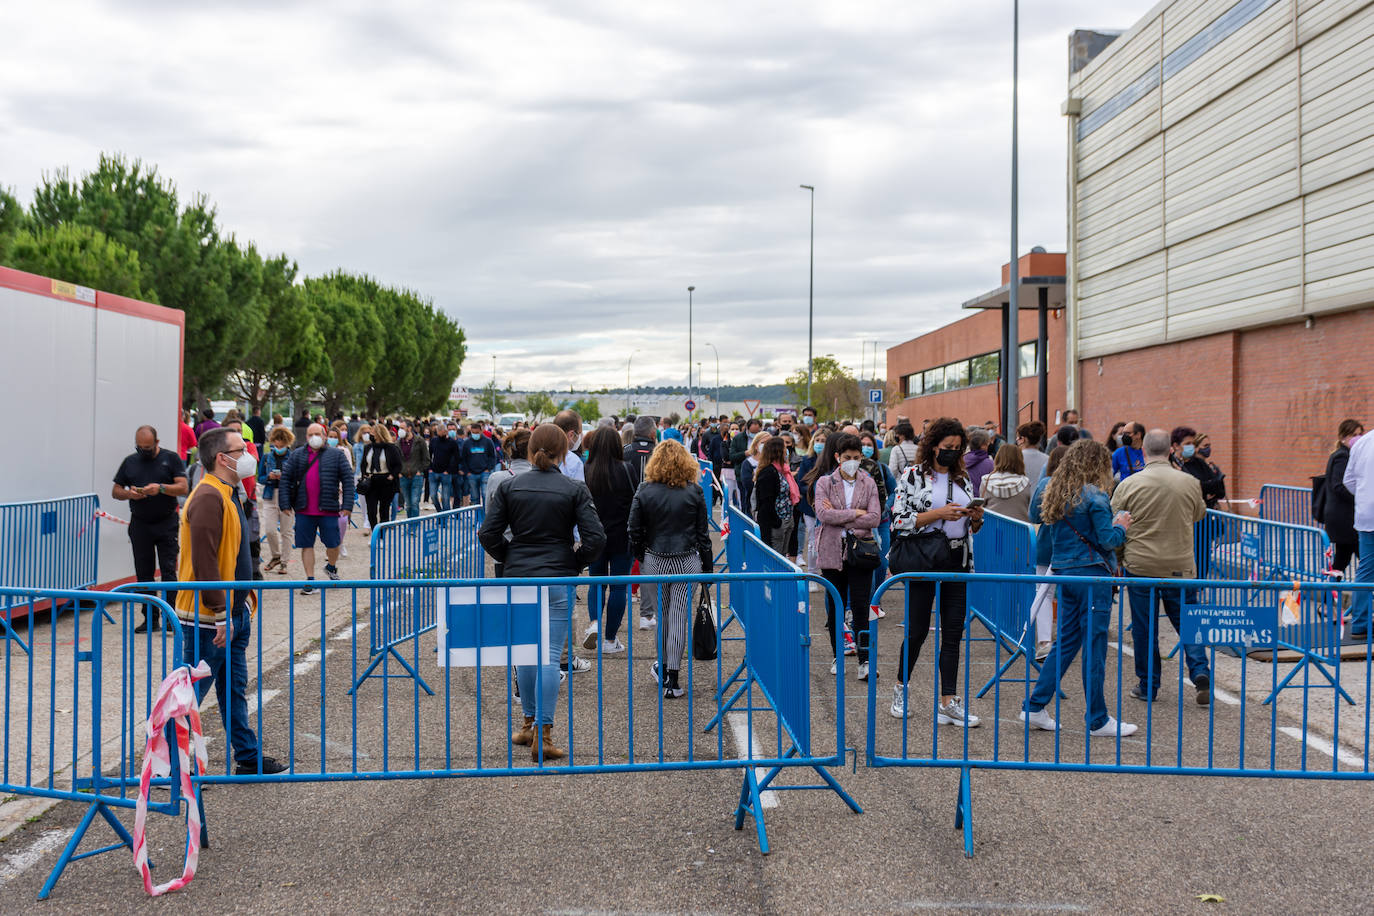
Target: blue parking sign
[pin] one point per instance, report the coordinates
(875, 395)
(492, 626)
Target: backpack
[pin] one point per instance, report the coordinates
(1319, 498)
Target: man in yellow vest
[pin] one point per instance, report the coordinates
(218, 622)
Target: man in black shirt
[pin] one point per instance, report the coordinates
(150, 480)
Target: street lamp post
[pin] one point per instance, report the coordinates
(1011, 369)
(627, 380)
(717, 352)
(493, 389)
(690, 290)
(811, 294)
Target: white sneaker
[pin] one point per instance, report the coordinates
(590, 636)
(1041, 720)
(1112, 729)
(801, 561)
(833, 663)
(646, 623)
(611, 647)
(863, 671)
(577, 664)
(343, 551)
(1042, 650)
(898, 709)
(954, 713)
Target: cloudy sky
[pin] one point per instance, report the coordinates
(555, 174)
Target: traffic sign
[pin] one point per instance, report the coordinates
(875, 395)
(690, 405)
(752, 406)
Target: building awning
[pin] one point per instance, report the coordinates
(1027, 297)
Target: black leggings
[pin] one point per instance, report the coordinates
(1342, 553)
(856, 588)
(920, 598)
(380, 492)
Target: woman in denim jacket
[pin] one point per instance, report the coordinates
(1076, 506)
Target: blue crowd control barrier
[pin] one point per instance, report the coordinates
(1238, 733)
(1234, 547)
(1290, 505)
(1005, 547)
(48, 544)
(615, 719)
(76, 694)
(439, 546)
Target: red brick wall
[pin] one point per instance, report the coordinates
(1270, 398)
(980, 332)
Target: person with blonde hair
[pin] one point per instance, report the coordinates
(275, 519)
(669, 535)
(1076, 504)
(379, 473)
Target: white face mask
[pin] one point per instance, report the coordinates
(400, 434)
(316, 441)
(575, 443)
(367, 437)
(246, 466)
(849, 468)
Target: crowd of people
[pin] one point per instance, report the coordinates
(854, 502)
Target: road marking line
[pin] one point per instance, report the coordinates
(1324, 746)
(310, 661)
(1228, 698)
(347, 633)
(992, 906)
(17, 863)
(332, 745)
(747, 743)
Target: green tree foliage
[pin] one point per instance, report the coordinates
(493, 397)
(539, 405)
(288, 358)
(77, 254)
(353, 338)
(12, 219)
(589, 409)
(834, 390)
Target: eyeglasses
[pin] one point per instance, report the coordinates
(236, 451)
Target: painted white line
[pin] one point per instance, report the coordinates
(268, 694)
(1229, 699)
(992, 906)
(335, 746)
(1323, 746)
(17, 863)
(310, 661)
(346, 634)
(747, 743)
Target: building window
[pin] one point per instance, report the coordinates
(983, 369)
(956, 375)
(1027, 359)
(911, 385)
(934, 380)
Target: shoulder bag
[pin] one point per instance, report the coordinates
(923, 551)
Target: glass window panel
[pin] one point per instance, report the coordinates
(1027, 354)
(935, 380)
(983, 369)
(956, 375)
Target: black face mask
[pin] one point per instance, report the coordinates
(147, 454)
(1205, 451)
(947, 458)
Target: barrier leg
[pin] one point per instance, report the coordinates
(381, 656)
(1308, 660)
(726, 706)
(69, 851)
(750, 803)
(963, 809)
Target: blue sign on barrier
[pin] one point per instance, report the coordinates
(492, 626)
(431, 543)
(1214, 625)
(1250, 546)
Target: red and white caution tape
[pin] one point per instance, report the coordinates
(101, 513)
(176, 702)
(1252, 503)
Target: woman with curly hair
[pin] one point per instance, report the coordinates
(1076, 505)
(933, 499)
(669, 536)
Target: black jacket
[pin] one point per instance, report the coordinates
(441, 454)
(739, 447)
(372, 450)
(541, 508)
(669, 520)
(1210, 476)
(768, 484)
(1340, 502)
(638, 452)
(613, 506)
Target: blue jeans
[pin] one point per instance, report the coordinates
(1144, 614)
(477, 486)
(544, 678)
(1085, 613)
(439, 489)
(1360, 601)
(412, 490)
(614, 564)
(229, 671)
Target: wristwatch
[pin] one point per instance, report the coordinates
(161, 490)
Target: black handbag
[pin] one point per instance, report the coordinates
(928, 551)
(862, 553)
(363, 485)
(704, 627)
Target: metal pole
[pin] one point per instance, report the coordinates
(627, 380)
(811, 297)
(1041, 357)
(493, 388)
(690, 289)
(717, 352)
(1012, 371)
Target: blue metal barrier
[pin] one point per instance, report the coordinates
(328, 733)
(439, 546)
(1290, 505)
(48, 544)
(1004, 547)
(76, 693)
(1234, 734)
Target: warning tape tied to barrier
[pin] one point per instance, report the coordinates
(175, 703)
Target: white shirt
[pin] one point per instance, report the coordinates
(1359, 480)
(849, 492)
(939, 490)
(572, 466)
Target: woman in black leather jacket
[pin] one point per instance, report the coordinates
(541, 508)
(1339, 517)
(669, 535)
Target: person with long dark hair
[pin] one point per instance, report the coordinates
(776, 495)
(612, 481)
(381, 468)
(1338, 514)
(933, 498)
(542, 509)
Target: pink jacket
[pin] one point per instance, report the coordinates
(835, 519)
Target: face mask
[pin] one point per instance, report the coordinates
(809, 420)
(367, 437)
(1205, 451)
(147, 454)
(1126, 440)
(453, 434)
(849, 468)
(474, 436)
(316, 442)
(947, 457)
(400, 434)
(333, 440)
(278, 450)
(1188, 450)
(575, 443)
(867, 451)
(818, 447)
(246, 466)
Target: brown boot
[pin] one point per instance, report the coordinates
(525, 735)
(550, 752)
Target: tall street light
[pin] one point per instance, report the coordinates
(811, 294)
(1011, 371)
(493, 388)
(717, 352)
(627, 379)
(690, 290)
